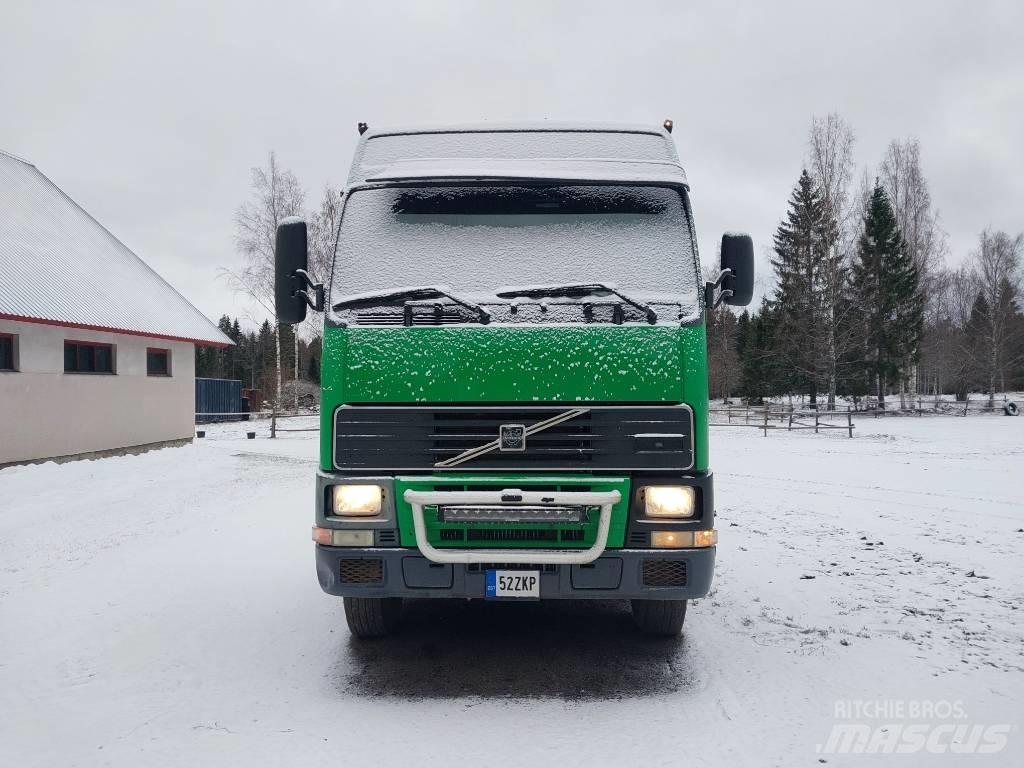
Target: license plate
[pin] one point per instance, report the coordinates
(512, 584)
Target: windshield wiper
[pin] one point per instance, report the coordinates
(576, 290)
(412, 294)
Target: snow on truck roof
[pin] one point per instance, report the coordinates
(613, 171)
(60, 266)
(549, 151)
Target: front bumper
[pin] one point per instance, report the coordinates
(620, 573)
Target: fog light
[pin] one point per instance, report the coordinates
(334, 537)
(705, 538)
(357, 500)
(665, 501)
(672, 539)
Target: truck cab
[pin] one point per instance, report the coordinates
(514, 372)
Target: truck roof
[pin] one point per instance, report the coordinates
(542, 150)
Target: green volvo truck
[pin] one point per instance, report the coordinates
(514, 373)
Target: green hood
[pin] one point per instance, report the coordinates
(515, 364)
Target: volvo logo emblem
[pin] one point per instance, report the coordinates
(512, 437)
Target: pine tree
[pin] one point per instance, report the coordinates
(203, 366)
(886, 284)
(761, 376)
(802, 253)
(227, 354)
(267, 359)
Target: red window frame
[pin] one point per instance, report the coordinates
(167, 355)
(108, 345)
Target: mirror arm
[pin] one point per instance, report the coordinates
(315, 302)
(721, 276)
(709, 290)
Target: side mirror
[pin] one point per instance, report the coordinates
(738, 258)
(291, 280)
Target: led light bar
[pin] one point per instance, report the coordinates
(468, 513)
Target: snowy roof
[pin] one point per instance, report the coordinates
(58, 265)
(569, 170)
(508, 144)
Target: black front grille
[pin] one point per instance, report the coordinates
(479, 567)
(664, 573)
(362, 571)
(511, 534)
(639, 539)
(598, 438)
(387, 537)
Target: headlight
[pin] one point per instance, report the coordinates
(673, 501)
(357, 500)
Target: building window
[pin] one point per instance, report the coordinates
(88, 357)
(158, 362)
(8, 352)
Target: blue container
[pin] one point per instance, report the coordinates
(218, 400)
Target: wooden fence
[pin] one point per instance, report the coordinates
(919, 406)
(781, 416)
(276, 416)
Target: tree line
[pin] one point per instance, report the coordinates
(273, 355)
(253, 359)
(863, 304)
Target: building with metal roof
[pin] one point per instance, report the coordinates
(59, 265)
(97, 351)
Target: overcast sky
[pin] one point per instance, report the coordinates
(150, 116)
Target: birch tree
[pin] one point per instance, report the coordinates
(997, 264)
(276, 194)
(323, 234)
(958, 301)
(904, 182)
(830, 149)
(323, 237)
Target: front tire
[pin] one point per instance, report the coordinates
(372, 616)
(663, 618)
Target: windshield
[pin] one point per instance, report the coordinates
(480, 241)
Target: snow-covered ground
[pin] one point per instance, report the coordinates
(163, 610)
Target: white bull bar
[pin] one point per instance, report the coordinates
(604, 499)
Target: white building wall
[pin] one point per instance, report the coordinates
(45, 413)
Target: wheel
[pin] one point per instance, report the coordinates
(372, 616)
(659, 617)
